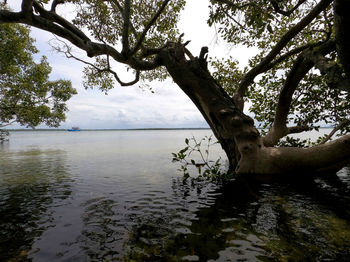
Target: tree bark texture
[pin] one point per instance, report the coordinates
(342, 22)
(236, 131)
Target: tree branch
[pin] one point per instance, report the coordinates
(285, 39)
(26, 6)
(55, 3)
(279, 126)
(10, 17)
(60, 27)
(148, 26)
(7, 124)
(299, 69)
(339, 126)
(137, 75)
(342, 22)
(232, 5)
(53, 17)
(277, 9)
(298, 129)
(289, 54)
(108, 69)
(331, 70)
(233, 19)
(121, 10)
(150, 51)
(125, 39)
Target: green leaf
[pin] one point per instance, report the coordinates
(28, 97)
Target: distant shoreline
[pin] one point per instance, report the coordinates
(101, 129)
(117, 129)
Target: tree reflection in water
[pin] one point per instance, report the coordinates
(30, 183)
(247, 221)
(102, 230)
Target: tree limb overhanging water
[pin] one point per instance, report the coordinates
(292, 37)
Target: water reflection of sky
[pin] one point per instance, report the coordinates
(116, 196)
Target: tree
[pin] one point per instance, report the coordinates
(26, 94)
(296, 41)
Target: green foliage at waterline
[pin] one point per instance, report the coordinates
(195, 158)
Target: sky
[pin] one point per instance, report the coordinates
(133, 107)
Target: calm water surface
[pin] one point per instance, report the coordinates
(116, 196)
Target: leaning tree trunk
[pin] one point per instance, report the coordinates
(236, 131)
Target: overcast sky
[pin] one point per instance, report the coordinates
(132, 107)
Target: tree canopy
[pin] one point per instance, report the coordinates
(298, 80)
(294, 39)
(27, 96)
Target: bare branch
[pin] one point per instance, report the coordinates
(150, 51)
(189, 54)
(53, 17)
(233, 19)
(126, 18)
(7, 124)
(27, 6)
(277, 9)
(137, 78)
(289, 54)
(137, 75)
(261, 67)
(51, 22)
(10, 17)
(298, 129)
(55, 3)
(148, 26)
(68, 53)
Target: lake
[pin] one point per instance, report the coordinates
(116, 196)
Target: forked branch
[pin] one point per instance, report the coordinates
(68, 53)
(148, 26)
(299, 69)
(285, 39)
(51, 22)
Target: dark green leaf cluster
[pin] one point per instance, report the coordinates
(262, 24)
(227, 73)
(27, 96)
(294, 142)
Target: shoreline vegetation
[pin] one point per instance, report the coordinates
(108, 129)
(117, 129)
